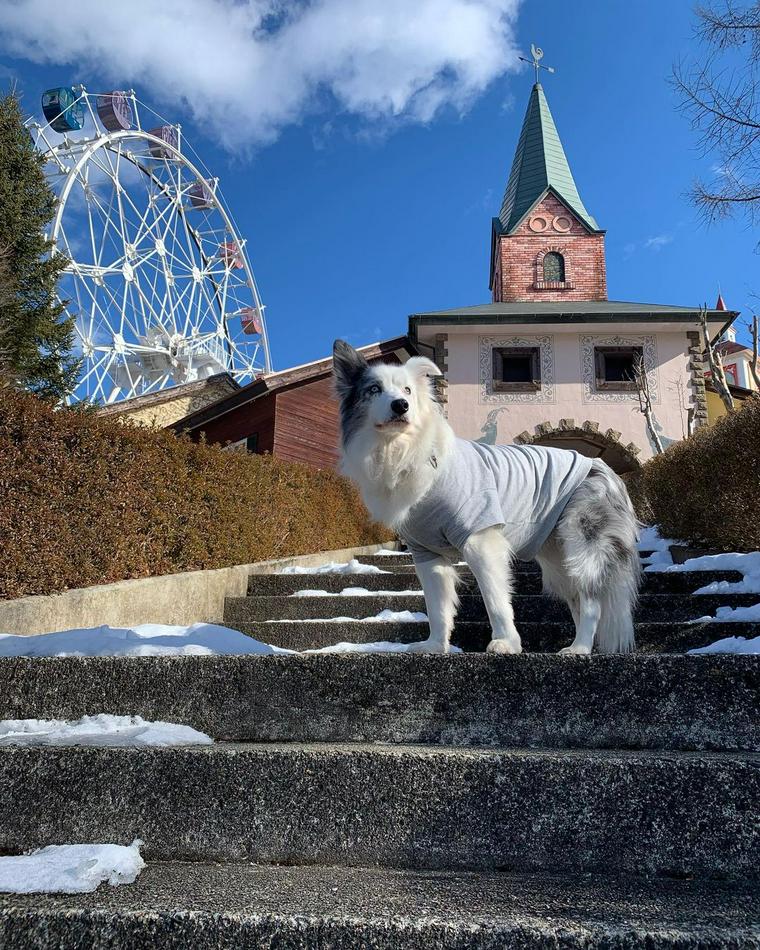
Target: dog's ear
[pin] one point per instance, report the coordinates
(348, 366)
(421, 366)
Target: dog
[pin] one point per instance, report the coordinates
(451, 500)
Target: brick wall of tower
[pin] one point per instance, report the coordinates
(519, 270)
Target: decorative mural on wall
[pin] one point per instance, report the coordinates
(588, 369)
(546, 394)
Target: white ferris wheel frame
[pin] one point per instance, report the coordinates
(74, 173)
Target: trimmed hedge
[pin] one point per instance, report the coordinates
(706, 489)
(87, 500)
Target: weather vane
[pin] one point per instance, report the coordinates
(538, 54)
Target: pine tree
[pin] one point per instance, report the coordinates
(36, 339)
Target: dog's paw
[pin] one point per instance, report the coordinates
(504, 646)
(575, 650)
(427, 646)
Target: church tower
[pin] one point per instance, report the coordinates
(545, 246)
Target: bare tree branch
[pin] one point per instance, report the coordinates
(720, 95)
(645, 401)
(715, 362)
(753, 366)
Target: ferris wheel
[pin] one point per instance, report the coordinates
(159, 280)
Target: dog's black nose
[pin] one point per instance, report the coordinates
(399, 406)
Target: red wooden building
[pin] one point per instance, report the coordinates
(293, 414)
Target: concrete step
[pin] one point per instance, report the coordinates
(406, 806)
(540, 637)
(531, 608)
(529, 582)
(634, 701)
(240, 906)
(390, 562)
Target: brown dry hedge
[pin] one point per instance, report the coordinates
(706, 489)
(86, 500)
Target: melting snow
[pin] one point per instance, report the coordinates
(155, 639)
(732, 615)
(100, 730)
(747, 564)
(70, 868)
(147, 639)
(356, 592)
(650, 540)
(732, 645)
(385, 616)
(381, 646)
(334, 567)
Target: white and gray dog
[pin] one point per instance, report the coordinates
(450, 499)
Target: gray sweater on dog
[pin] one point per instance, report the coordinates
(523, 488)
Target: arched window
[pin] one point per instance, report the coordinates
(554, 267)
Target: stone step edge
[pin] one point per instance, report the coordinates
(258, 585)
(211, 905)
(407, 807)
(390, 751)
(481, 700)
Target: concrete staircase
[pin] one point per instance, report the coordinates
(390, 800)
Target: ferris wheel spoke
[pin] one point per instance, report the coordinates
(112, 173)
(98, 372)
(156, 298)
(93, 202)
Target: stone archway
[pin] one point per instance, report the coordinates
(586, 439)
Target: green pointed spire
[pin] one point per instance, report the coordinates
(539, 164)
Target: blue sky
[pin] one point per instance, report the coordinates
(355, 219)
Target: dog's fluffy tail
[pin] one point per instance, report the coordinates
(600, 534)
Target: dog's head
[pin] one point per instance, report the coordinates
(392, 401)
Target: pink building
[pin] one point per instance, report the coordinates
(549, 360)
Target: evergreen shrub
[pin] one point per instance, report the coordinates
(88, 500)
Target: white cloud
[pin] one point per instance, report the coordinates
(245, 69)
(658, 242)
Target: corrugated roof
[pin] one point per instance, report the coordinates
(272, 382)
(571, 308)
(539, 164)
(219, 381)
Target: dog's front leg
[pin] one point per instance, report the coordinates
(487, 553)
(438, 579)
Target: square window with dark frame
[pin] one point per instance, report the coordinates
(616, 367)
(516, 369)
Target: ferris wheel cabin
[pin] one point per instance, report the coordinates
(63, 109)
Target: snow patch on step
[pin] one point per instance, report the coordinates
(335, 567)
(147, 639)
(732, 645)
(385, 616)
(380, 646)
(100, 730)
(356, 592)
(749, 614)
(746, 564)
(70, 868)
(651, 540)
(198, 639)
(661, 562)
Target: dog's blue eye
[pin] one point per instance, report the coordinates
(374, 390)
(407, 389)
